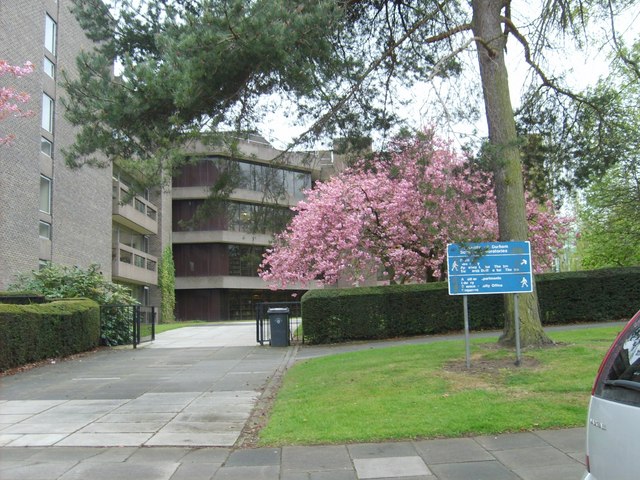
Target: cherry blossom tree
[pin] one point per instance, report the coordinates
(393, 216)
(10, 98)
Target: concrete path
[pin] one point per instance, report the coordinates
(175, 409)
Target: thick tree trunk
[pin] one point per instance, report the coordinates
(505, 153)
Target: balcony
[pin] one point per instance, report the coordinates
(134, 211)
(134, 266)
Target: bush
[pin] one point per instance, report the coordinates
(21, 298)
(29, 333)
(167, 285)
(339, 315)
(56, 281)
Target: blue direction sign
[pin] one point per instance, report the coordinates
(491, 267)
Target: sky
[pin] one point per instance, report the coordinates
(580, 69)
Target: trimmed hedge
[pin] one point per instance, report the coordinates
(29, 333)
(21, 298)
(365, 313)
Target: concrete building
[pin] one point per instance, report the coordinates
(49, 212)
(217, 258)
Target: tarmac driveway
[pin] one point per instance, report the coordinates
(194, 386)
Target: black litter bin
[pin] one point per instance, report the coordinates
(279, 323)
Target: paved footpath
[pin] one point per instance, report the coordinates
(175, 409)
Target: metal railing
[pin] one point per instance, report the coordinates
(144, 325)
(137, 323)
(263, 327)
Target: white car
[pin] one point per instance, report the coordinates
(613, 426)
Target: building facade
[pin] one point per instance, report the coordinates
(48, 211)
(217, 256)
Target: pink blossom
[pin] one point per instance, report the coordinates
(396, 215)
(10, 97)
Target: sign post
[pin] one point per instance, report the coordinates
(490, 268)
(467, 348)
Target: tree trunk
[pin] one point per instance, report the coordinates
(505, 159)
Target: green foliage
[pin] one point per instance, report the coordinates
(29, 333)
(570, 144)
(339, 315)
(167, 285)
(188, 67)
(609, 219)
(56, 281)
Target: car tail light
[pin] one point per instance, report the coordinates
(613, 353)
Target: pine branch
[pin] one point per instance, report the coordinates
(546, 81)
(317, 125)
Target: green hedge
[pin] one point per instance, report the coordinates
(338, 315)
(21, 298)
(29, 333)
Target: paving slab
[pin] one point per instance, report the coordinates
(195, 471)
(491, 470)
(110, 455)
(517, 458)
(214, 455)
(395, 467)
(36, 440)
(552, 472)
(254, 457)
(244, 473)
(452, 450)
(44, 428)
(62, 454)
(121, 471)
(18, 454)
(38, 471)
(122, 439)
(18, 407)
(325, 475)
(312, 459)
(159, 454)
(193, 439)
(567, 440)
(381, 450)
(122, 427)
(510, 441)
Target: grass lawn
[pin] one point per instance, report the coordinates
(425, 391)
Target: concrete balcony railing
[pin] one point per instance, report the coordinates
(135, 212)
(134, 266)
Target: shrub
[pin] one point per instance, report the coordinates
(167, 285)
(56, 281)
(338, 315)
(21, 298)
(29, 333)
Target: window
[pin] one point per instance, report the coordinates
(45, 194)
(47, 112)
(139, 205)
(139, 261)
(49, 68)
(244, 260)
(619, 380)
(50, 29)
(45, 230)
(46, 147)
